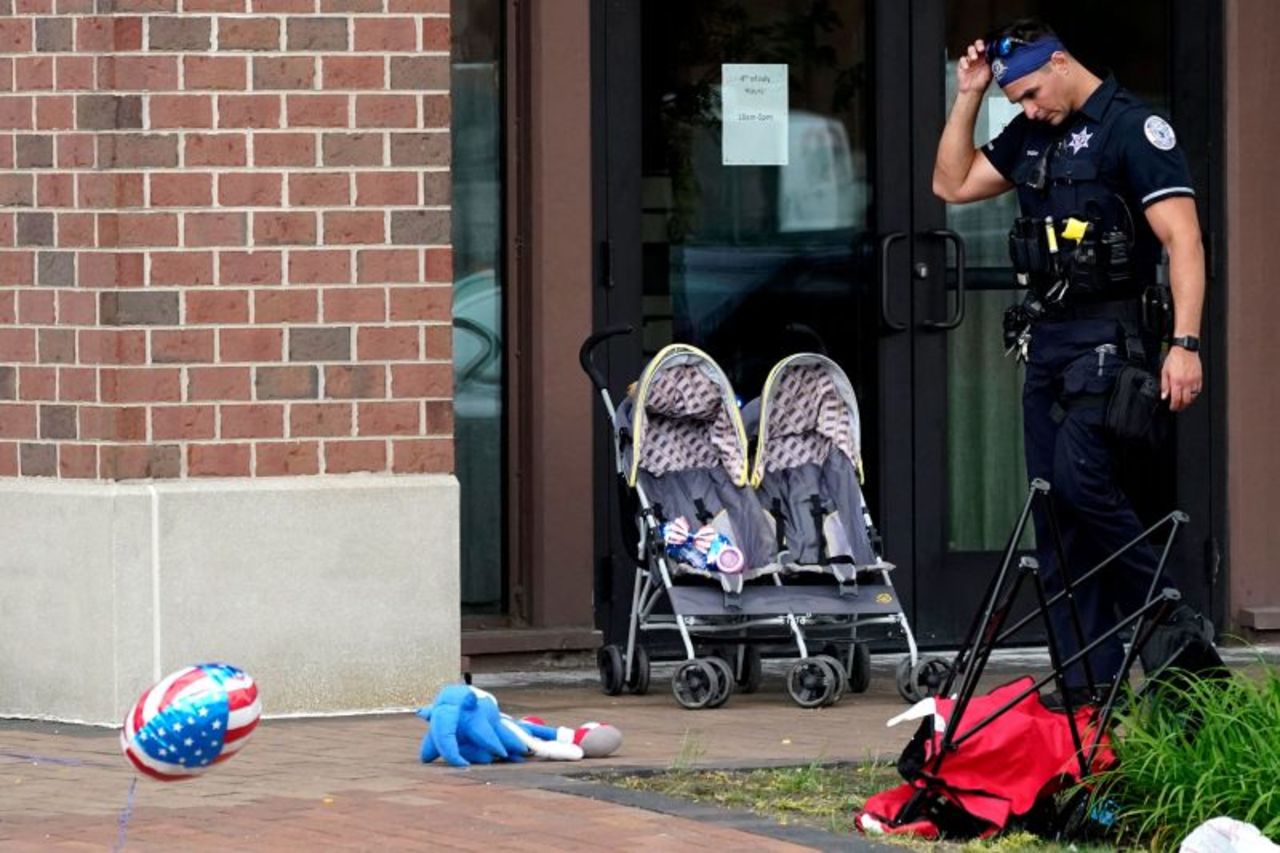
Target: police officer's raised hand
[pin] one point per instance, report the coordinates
(973, 73)
(1181, 378)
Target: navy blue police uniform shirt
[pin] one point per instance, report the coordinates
(1113, 159)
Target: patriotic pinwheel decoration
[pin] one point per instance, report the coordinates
(191, 720)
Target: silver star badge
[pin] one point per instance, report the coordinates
(1080, 140)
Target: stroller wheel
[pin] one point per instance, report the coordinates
(724, 681)
(928, 676)
(906, 684)
(638, 683)
(811, 682)
(842, 678)
(859, 668)
(752, 673)
(609, 662)
(694, 683)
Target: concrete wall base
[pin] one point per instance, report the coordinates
(337, 594)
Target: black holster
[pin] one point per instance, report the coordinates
(1133, 408)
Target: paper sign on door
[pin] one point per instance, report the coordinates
(754, 110)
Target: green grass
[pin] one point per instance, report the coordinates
(1167, 781)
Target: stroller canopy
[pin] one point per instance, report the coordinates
(685, 416)
(807, 409)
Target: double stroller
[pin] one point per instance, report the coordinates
(806, 578)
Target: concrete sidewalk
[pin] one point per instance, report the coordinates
(356, 782)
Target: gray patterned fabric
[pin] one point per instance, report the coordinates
(807, 418)
(687, 425)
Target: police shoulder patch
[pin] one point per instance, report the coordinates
(1159, 133)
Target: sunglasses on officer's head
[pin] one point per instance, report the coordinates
(1004, 46)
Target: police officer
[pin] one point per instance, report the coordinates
(1085, 149)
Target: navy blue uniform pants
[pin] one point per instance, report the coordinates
(1073, 364)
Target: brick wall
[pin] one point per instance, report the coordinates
(224, 238)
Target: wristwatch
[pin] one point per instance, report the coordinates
(1190, 343)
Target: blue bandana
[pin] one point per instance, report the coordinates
(1024, 59)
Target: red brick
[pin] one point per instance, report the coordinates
(350, 5)
(38, 460)
(214, 72)
(436, 112)
(185, 268)
(387, 265)
(9, 309)
(249, 111)
(16, 113)
(286, 459)
(285, 305)
(111, 189)
(77, 461)
(182, 423)
(435, 34)
(360, 381)
(320, 419)
(113, 423)
(76, 308)
(386, 188)
(78, 384)
(319, 189)
(422, 456)
(353, 72)
(142, 462)
(76, 230)
(217, 306)
(248, 33)
(181, 189)
(55, 113)
(253, 421)
(288, 382)
(320, 266)
(17, 267)
(218, 460)
(387, 343)
(284, 72)
(17, 190)
(352, 149)
(343, 227)
(213, 5)
(31, 73)
(214, 149)
(216, 229)
(355, 305)
(421, 380)
(15, 35)
(346, 457)
(388, 418)
(421, 303)
(8, 459)
(284, 149)
(386, 111)
(282, 5)
(279, 229)
(309, 111)
(108, 34)
(17, 345)
(385, 34)
(112, 269)
(7, 229)
(173, 111)
(55, 190)
(73, 73)
(182, 345)
(37, 383)
(37, 307)
(249, 189)
(7, 152)
(17, 421)
(75, 150)
(218, 383)
(439, 417)
(250, 345)
(250, 267)
(141, 384)
(146, 73)
(107, 346)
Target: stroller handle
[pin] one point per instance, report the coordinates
(588, 347)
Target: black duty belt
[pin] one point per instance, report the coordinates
(1127, 310)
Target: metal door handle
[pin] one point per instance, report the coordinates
(958, 316)
(885, 242)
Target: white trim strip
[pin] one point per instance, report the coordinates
(1185, 190)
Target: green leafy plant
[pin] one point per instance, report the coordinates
(1196, 749)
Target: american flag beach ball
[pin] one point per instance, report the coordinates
(190, 720)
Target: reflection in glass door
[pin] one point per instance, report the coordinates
(754, 262)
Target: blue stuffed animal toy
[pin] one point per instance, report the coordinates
(466, 727)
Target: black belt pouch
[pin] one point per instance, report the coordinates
(1132, 411)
